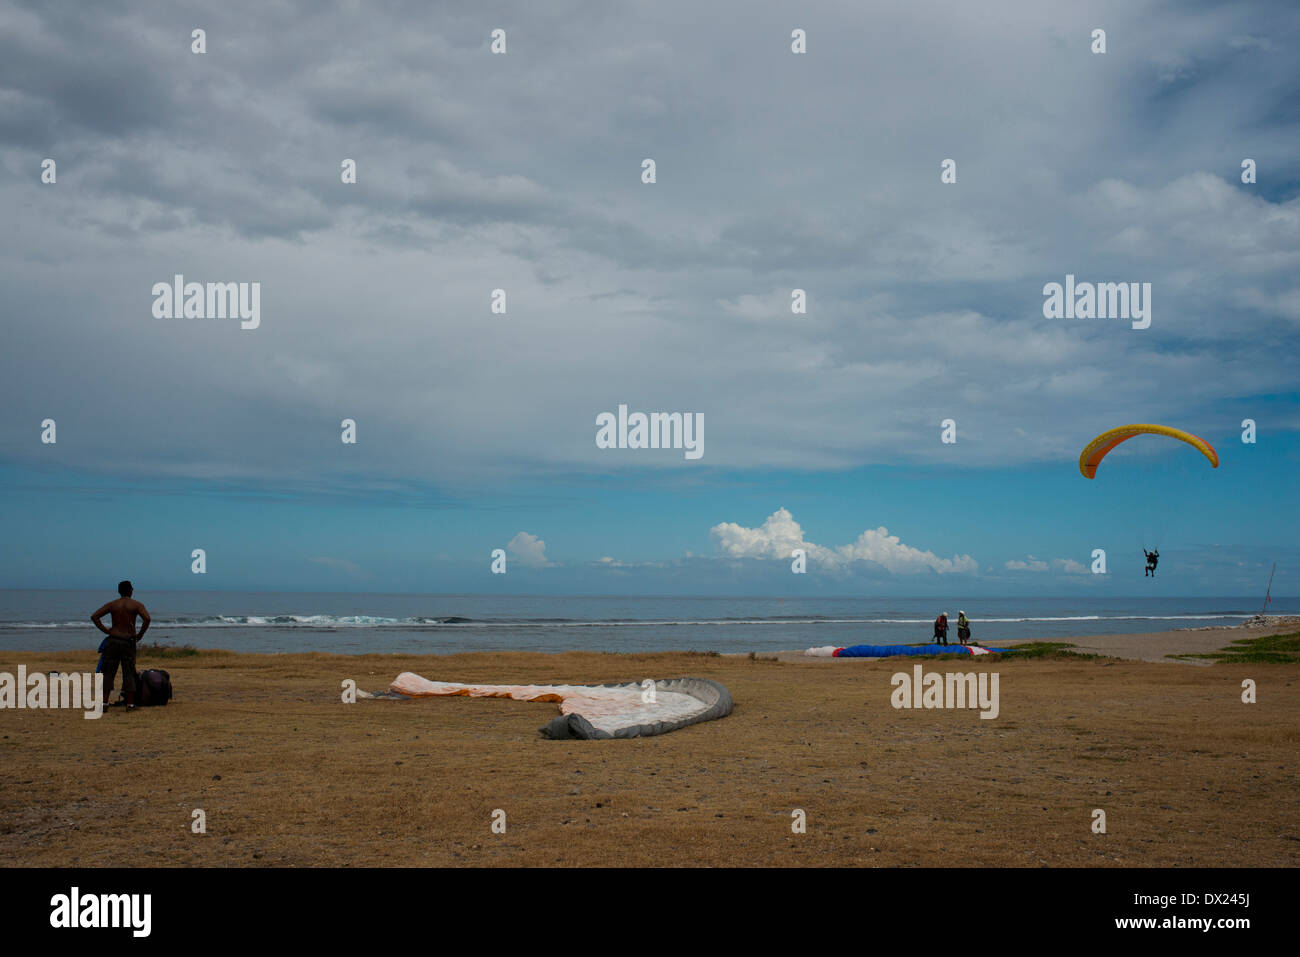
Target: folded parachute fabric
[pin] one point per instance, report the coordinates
(597, 711)
(825, 651)
(890, 651)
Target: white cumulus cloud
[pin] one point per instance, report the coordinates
(1070, 566)
(780, 535)
(1031, 565)
(528, 550)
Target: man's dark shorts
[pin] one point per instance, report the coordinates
(119, 651)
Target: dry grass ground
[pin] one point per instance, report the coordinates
(288, 775)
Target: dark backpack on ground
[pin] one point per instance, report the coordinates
(153, 687)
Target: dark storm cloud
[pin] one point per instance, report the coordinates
(523, 172)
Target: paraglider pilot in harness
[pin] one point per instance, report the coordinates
(1152, 558)
(941, 629)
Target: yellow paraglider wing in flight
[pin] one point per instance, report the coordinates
(1096, 450)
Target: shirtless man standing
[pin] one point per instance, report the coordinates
(119, 649)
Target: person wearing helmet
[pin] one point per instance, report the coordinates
(963, 628)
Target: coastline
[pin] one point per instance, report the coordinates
(1151, 646)
(1162, 646)
(288, 775)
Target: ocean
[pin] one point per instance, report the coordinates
(444, 624)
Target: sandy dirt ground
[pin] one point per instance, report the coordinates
(286, 774)
(1161, 646)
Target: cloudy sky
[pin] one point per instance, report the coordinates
(522, 171)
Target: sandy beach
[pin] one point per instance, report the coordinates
(286, 774)
(1160, 646)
